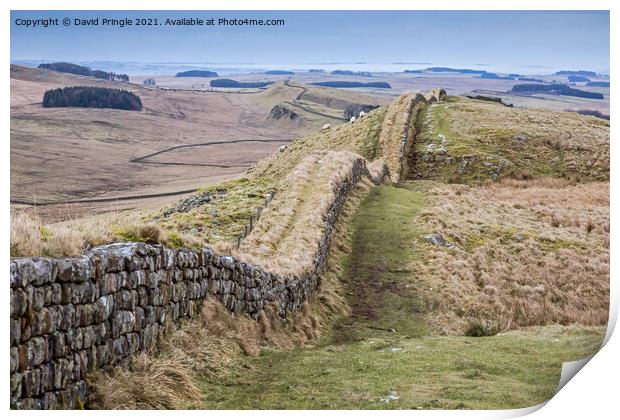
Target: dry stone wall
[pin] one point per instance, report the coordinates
(70, 316)
(409, 132)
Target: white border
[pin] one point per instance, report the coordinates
(593, 393)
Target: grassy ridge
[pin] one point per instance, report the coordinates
(468, 141)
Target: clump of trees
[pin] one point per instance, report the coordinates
(531, 79)
(495, 76)
(92, 97)
(84, 71)
(149, 82)
(229, 83)
(196, 73)
(557, 89)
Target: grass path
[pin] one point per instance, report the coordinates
(385, 355)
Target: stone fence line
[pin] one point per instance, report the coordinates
(70, 316)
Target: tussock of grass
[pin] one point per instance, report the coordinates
(165, 380)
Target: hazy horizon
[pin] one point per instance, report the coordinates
(512, 41)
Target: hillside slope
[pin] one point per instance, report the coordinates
(182, 140)
(468, 141)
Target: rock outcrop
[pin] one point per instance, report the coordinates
(279, 112)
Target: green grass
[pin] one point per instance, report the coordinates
(487, 139)
(517, 369)
(379, 284)
(387, 349)
(224, 217)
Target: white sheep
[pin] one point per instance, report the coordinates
(326, 127)
(352, 119)
(362, 113)
(282, 148)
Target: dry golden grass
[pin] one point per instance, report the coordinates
(287, 236)
(527, 253)
(394, 123)
(31, 237)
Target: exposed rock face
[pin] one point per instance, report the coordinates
(437, 239)
(188, 204)
(355, 109)
(281, 112)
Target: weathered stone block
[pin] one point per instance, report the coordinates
(31, 382)
(57, 345)
(67, 319)
(108, 284)
(15, 331)
(65, 270)
(16, 385)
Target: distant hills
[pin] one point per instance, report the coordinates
(557, 89)
(71, 68)
(229, 83)
(350, 84)
(352, 73)
(575, 72)
(452, 70)
(278, 72)
(196, 73)
(598, 84)
(576, 78)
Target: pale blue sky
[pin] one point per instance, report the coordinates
(503, 40)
